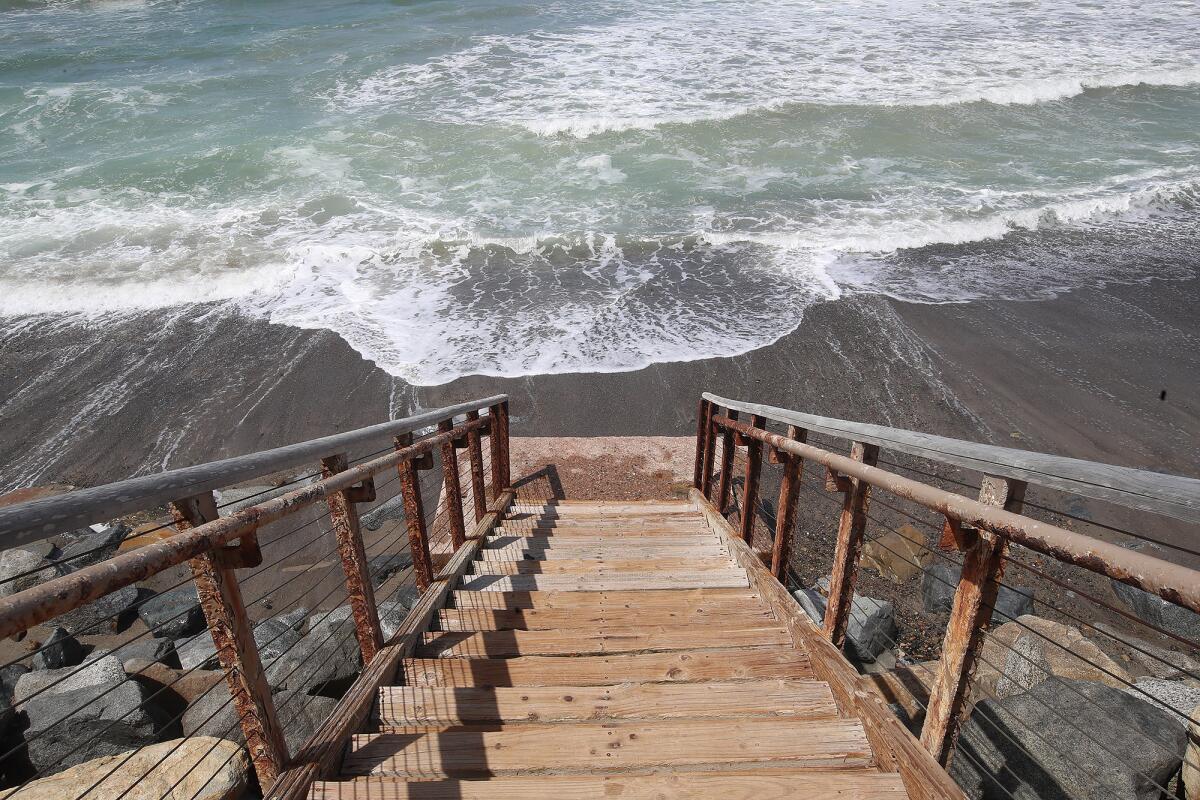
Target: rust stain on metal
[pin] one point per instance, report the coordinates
(750, 491)
(701, 443)
(789, 492)
(454, 504)
(343, 515)
(725, 484)
(414, 516)
(475, 457)
(851, 526)
(232, 633)
(499, 445)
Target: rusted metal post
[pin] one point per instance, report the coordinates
(414, 516)
(789, 492)
(710, 451)
(499, 443)
(475, 456)
(344, 515)
(725, 484)
(701, 444)
(849, 546)
(454, 503)
(974, 599)
(233, 635)
(753, 471)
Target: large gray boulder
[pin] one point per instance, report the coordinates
(21, 569)
(325, 661)
(173, 614)
(871, 629)
(1067, 739)
(99, 669)
(105, 615)
(274, 637)
(1174, 697)
(299, 714)
(91, 547)
(940, 582)
(1153, 609)
(149, 649)
(385, 566)
(70, 727)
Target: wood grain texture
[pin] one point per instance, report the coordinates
(704, 665)
(502, 644)
(415, 705)
(644, 599)
(732, 578)
(599, 566)
(521, 548)
(759, 784)
(483, 619)
(609, 747)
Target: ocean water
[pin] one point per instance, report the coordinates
(512, 188)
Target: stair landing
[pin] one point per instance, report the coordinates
(607, 649)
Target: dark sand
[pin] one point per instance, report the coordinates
(1079, 375)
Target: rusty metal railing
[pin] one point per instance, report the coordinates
(214, 547)
(981, 529)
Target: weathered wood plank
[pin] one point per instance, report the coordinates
(686, 666)
(599, 566)
(495, 644)
(482, 619)
(735, 598)
(416, 705)
(516, 550)
(605, 532)
(609, 747)
(733, 578)
(758, 784)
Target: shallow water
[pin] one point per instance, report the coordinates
(519, 188)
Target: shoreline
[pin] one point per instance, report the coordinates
(1078, 375)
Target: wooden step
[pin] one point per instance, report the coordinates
(483, 619)
(681, 666)
(517, 549)
(614, 533)
(759, 784)
(588, 747)
(670, 599)
(654, 521)
(417, 705)
(599, 566)
(555, 542)
(734, 577)
(611, 508)
(498, 644)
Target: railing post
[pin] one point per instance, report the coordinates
(343, 513)
(454, 504)
(710, 451)
(233, 635)
(475, 456)
(499, 443)
(701, 443)
(851, 525)
(789, 491)
(974, 599)
(753, 470)
(414, 515)
(726, 482)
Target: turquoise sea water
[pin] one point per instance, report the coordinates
(515, 188)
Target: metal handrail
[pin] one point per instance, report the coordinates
(38, 519)
(1170, 495)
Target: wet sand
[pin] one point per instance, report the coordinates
(1079, 375)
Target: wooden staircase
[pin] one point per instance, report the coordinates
(608, 649)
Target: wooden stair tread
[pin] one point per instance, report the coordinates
(734, 577)
(484, 619)
(516, 550)
(737, 597)
(681, 666)
(422, 705)
(757, 784)
(492, 644)
(599, 566)
(588, 747)
(614, 533)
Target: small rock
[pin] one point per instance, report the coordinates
(21, 569)
(295, 618)
(151, 649)
(173, 614)
(93, 547)
(203, 768)
(385, 566)
(1069, 739)
(1153, 609)
(941, 581)
(1174, 697)
(896, 555)
(109, 613)
(8, 678)
(101, 669)
(60, 650)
